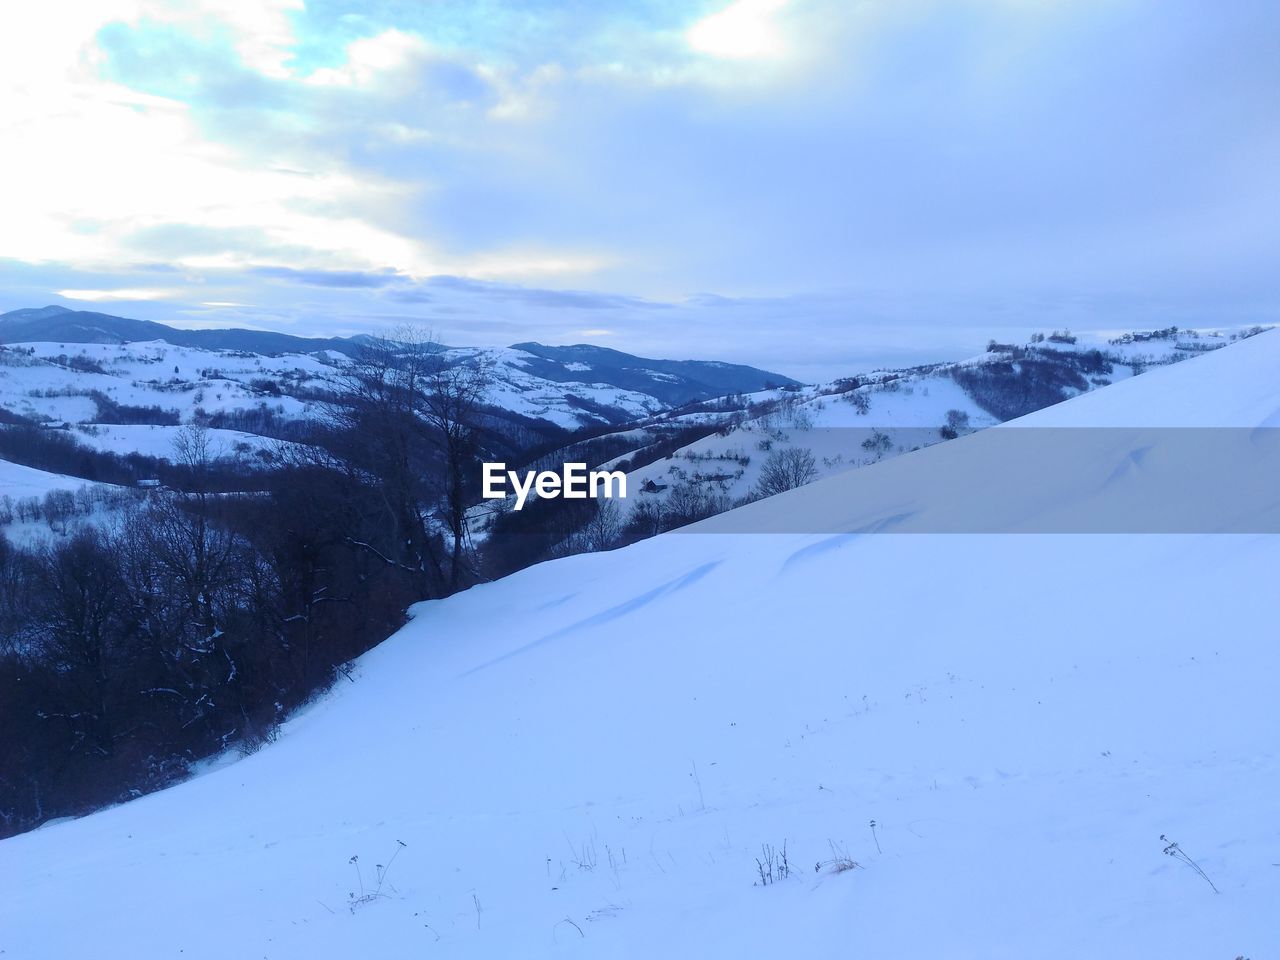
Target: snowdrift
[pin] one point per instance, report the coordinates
(596, 756)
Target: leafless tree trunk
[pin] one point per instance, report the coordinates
(455, 396)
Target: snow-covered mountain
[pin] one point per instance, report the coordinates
(688, 450)
(731, 745)
(146, 363)
(35, 324)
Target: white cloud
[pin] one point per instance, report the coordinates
(746, 29)
(370, 58)
(528, 265)
(92, 163)
(262, 31)
(892, 146)
(123, 293)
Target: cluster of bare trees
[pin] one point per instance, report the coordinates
(410, 418)
(602, 530)
(57, 507)
(198, 619)
(687, 502)
(125, 655)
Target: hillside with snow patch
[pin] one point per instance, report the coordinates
(605, 756)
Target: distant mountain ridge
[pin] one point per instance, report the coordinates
(690, 380)
(672, 382)
(59, 324)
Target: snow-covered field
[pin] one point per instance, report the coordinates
(158, 441)
(53, 381)
(18, 481)
(46, 385)
(831, 428)
(589, 758)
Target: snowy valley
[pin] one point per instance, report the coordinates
(724, 744)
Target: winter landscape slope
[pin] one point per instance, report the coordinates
(595, 756)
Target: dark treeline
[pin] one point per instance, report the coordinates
(1030, 379)
(195, 622)
(112, 411)
(260, 420)
(197, 625)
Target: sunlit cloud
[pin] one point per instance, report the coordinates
(69, 202)
(744, 29)
(369, 58)
(529, 266)
(123, 293)
(263, 32)
(919, 160)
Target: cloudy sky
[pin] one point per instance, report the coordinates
(808, 185)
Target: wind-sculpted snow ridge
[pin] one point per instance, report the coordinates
(963, 746)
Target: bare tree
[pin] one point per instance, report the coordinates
(59, 507)
(785, 470)
(381, 437)
(408, 414)
(81, 629)
(456, 394)
(877, 444)
(604, 528)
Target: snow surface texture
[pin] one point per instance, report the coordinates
(585, 759)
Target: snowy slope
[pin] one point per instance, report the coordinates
(906, 408)
(908, 412)
(1043, 473)
(516, 389)
(53, 379)
(158, 441)
(18, 481)
(45, 385)
(586, 758)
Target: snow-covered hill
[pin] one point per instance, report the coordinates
(705, 458)
(124, 397)
(674, 750)
(18, 481)
(62, 381)
(59, 381)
